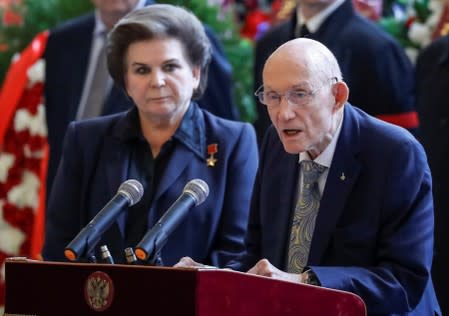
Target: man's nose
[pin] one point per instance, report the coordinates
(286, 111)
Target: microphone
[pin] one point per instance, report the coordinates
(194, 193)
(129, 193)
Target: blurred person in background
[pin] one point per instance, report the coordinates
(432, 95)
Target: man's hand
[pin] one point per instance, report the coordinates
(265, 268)
(187, 262)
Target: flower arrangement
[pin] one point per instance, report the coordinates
(23, 156)
(416, 23)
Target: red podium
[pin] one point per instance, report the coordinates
(49, 288)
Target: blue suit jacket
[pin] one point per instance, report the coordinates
(374, 231)
(67, 55)
(373, 65)
(95, 163)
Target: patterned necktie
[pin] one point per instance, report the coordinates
(304, 218)
(99, 86)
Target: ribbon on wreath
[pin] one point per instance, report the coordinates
(23, 156)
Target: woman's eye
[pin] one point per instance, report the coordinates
(170, 67)
(142, 70)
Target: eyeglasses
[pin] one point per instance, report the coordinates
(295, 96)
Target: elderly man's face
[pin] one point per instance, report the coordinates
(308, 121)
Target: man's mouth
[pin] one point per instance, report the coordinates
(291, 132)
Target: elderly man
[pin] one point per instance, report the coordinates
(373, 64)
(341, 199)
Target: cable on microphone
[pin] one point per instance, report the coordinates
(130, 256)
(106, 255)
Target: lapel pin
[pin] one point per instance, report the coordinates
(212, 149)
(342, 177)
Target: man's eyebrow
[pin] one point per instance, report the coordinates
(302, 85)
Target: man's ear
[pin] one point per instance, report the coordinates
(341, 94)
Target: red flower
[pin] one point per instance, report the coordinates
(409, 21)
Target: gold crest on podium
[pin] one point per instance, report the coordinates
(99, 291)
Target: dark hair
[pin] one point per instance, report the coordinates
(159, 21)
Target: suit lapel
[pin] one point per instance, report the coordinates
(342, 176)
(288, 183)
(277, 196)
(116, 155)
(179, 161)
(186, 153)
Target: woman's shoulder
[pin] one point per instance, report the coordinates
(221, 125)
(97, 128)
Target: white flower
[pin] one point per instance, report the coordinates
(436, 6)
(11, 238)
(420, 34)
(36, 73)
(6, 162)
(36, 124)
(25, 194)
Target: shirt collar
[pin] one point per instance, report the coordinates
(191, 131)
(325, 158)
(314, 23)
(100, 27)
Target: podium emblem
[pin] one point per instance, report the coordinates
(99, 291)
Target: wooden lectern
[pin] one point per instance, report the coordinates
(49, 288)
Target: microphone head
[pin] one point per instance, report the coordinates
(198, 189)
(132, 190)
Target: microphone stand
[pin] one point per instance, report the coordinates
(89, 251)
(154, 256)
(155, 259)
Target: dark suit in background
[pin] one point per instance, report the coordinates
(67, 55)
(367, 239)
(432, 103)
(374, 66)
(95, 163)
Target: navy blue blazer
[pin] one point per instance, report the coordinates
(95, 163)
(374, 231)
(373, 65)
(67, 55)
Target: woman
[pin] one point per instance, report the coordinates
(159, 55)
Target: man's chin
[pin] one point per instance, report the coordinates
(292, 149)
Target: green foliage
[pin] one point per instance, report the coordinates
(38, 15)
(422, 9)
(238, 50)
(45, 14)
(398, 30)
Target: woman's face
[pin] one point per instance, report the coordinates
(159, 79)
